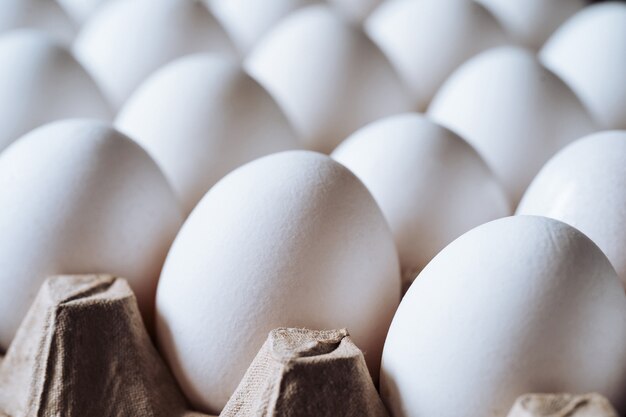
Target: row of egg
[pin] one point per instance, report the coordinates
(517, 304)
(293, 54)
(250, 253)
(325, 76)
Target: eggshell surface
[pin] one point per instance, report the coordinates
(431, 185)
(226, 120)
(589, 53)
(583, 185)
(327, 76)
(128, 40)
(516, 113)
(41, 82)
(426, 40)
(247, 21)
(78, 197)
(521, 304)
(531, 22)
(292, 239)
(43, 15)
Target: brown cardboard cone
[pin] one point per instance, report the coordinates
(562, 405)
(82, 350)
(303, 373)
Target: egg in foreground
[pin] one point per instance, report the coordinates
(292, 239)
(521, 304)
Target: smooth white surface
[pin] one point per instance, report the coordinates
(78, 197)
(513, 111)
(41, 82)
(584, 185)
(431, 185)
(589, 53)
(427, 40)
(355, 10)
(200, 117)
(127, 40)
(292, 239)
(247, 21)
(81, 10)
(517, 305)
(531, 22)
(44, 15)
(328, 77)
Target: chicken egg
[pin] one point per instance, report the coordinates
(41, 82)
(292, 239)
(430, 184)
(78, 197)
(328, 77)
(584, 185)
(515, 112)
(127, 40)
(589, 53)
(427, 40)
(225, 119)
(520, 304)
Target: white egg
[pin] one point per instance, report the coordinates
(355, 10)
(431, 185)
(589, 53)
(584, 185)
(247, 21)
(81, 10)
(41, 82)
(326, 75)
(44, 15)
(426, 40)
(517, 305)
(79, 197)
(127, 40)
(531, 22)
(200, 117)
(515, 112)
(293, 239)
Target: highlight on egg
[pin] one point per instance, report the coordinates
(41, 82)
(293, 239)
(583, 185)
(327, 76)
(90, 201)
(228, 120)
(515, 112)
(427, 40)
(126, 41)
(430, 184)
(521, 304)
(587, 52)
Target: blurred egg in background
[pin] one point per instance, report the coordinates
(431, 185)
(228, 120)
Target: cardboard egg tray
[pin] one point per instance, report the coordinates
(82, 350)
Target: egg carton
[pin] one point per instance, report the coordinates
(83, 350)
